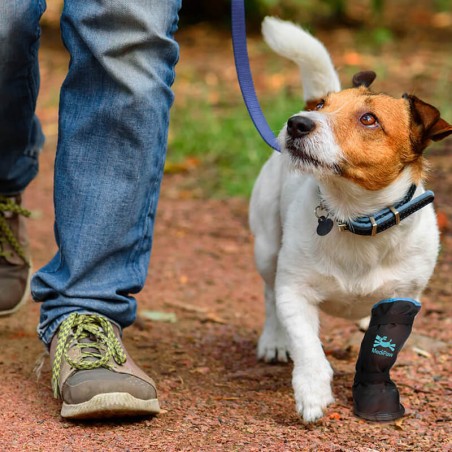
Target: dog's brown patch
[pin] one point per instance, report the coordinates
(375, 154)
(312, 104)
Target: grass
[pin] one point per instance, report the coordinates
(220, 136)
(223, 139)
(230, 151)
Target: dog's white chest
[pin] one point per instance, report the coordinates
(347, 273)
(347, 284)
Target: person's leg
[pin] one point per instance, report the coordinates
(114, 114)
(21, 139)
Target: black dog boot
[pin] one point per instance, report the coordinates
(375, 396)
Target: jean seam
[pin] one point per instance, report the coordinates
(136, 252)
(153, 198)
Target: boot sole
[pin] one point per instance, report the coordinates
(24, 299)
(113, 404)
(381, 417)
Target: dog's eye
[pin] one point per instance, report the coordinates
(320, 105)
(369, 120)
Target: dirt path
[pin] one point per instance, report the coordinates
(214, 394)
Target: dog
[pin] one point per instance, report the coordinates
(352, 153)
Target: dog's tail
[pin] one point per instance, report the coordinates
(317, 70)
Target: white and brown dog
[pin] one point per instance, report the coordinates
(354, 154)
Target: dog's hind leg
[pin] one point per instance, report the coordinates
(265, 223)
(273, 345)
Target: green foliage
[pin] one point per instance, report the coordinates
(220, 137)
(443, 5)
(381, 36)
(225, 141)
(378, 6)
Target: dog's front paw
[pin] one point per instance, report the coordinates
(273, 345)
(313, 393)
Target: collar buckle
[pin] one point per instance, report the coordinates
(396, 214)
(374, 226)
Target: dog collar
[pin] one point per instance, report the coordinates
(384, 218)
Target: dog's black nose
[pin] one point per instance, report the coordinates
(298, 126)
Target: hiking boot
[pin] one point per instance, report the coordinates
(15, 268)
(93, 374)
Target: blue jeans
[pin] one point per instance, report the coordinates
(113, 124)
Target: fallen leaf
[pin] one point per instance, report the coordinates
(422, 352)
(212, 317)
(158, 316)
(200, 370)
(399, 424)
(186, 307)
(230, 249)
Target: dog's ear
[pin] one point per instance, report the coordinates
(427, 120)
(364, 78)
(440, 130)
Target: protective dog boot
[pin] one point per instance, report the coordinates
(375, 396)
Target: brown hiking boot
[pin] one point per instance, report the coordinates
(93, 374)
(15, 269)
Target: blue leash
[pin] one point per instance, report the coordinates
(242, 65)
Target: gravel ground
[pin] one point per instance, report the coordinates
(214, 394)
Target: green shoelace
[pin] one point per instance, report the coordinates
(102, 345)
(6, 234)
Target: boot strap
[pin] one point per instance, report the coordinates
(400, 319)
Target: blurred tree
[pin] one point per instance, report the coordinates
(218, 11)
(312, 12)
(194, 11)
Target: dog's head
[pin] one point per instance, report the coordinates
(365, 137)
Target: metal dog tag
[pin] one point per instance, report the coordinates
(325, 225)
